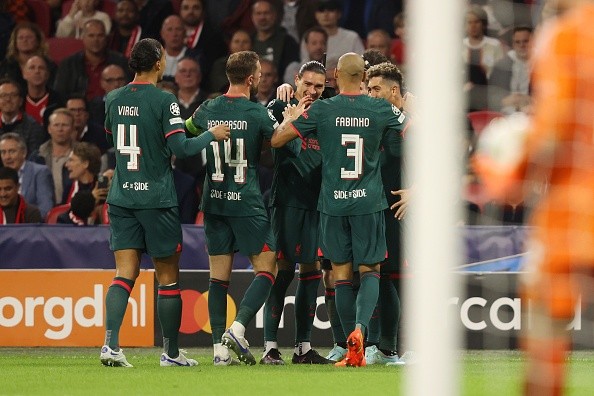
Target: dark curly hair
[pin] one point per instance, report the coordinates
(145, 54)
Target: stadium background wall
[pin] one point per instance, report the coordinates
(53, 282)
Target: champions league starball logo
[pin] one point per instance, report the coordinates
(195, 312)
(174, 109)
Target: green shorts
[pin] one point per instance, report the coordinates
(154, 231)
(357, 239)
(296, 232)
(228, 234)
(393, 241)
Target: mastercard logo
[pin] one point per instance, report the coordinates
(195, 312)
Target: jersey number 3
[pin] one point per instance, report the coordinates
(131, 149)
(240, 163)
(355, 152)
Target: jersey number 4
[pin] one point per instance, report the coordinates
(131, 149)
(355, 152)
(240, 163)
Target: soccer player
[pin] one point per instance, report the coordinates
(294, 217)
(235, 218)
(350, 129)
(385, 81)
(145, 124)
(558, 147)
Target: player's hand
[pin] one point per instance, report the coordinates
(401, 206)
(221, 132)
(285, 92)
(305, 102)
(292, 112)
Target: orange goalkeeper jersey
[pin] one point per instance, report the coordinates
(561, 140)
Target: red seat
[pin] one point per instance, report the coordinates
(52, 215)
(63, 47)
(480, 119)
(41, 13)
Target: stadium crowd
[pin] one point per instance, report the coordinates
(56, 73)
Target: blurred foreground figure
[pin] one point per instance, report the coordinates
(559, 148)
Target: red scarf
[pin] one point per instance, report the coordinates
(134, 38)
(20, 214)
(195, 36)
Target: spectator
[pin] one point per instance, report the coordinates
(152, 14)
(398, 50)
(271, 41)
(202, 42)
(35, 180)
(316, 43)
(40, 100)
(268, 82)
(12, 119)
(173, 39)
(81, 209)
(509, 84)
(480, 49)
(84, 129)
(26, 40)
(55, 152)
(83, 166)
(365, 16)
(13, 207)
(188, 78)
(81, 73)
(112, 77)
(80, 12)
(340, 41)
(298, 17)
(380, 40)
(218, 82)
(126, 30)
(229, 15)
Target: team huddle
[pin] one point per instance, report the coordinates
(337, 167)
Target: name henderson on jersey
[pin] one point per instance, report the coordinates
(232, 124)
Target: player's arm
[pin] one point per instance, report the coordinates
(107, 124)
(184, 147)
(286, 131)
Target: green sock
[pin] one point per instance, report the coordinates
(254, 297)
(306, 304)
(367, 297)
(337, 333)
(217, 307)
(390, 306)
(345, 305)
(116, 302)
(373, 332)
(276, 303)
(169, 309)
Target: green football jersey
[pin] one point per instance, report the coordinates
(232, 186)
(351, 129)
(391, 166)
(296, 182)
(140, 117)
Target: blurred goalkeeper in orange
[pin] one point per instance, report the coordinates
(558, 148)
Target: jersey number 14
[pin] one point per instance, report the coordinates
(240, 163)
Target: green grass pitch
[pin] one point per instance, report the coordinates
(77, 371)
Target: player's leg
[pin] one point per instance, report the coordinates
(273, 310)
(219, 242)
(127, 242)
(338, 351)
(220, 273)
(163, 237)
(255, 240)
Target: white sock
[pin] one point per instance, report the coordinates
(220, 350)
(302, 348)
(238, 329)
(268, 345)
